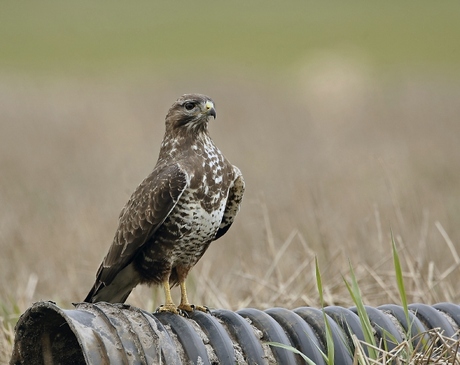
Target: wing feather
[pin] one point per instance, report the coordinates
(146, 210)
(235, 196)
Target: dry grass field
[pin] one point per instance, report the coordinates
(331, 169)
(344, 118)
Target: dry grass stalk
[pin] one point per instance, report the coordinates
(325, 178)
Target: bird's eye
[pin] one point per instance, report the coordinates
(189, 105)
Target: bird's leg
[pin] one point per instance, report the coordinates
(169, 305)
(184, 303)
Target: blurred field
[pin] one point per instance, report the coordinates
(345, 122)
(331, 174)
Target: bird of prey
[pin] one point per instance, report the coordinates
(189, 200)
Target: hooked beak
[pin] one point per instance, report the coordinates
(210, 110)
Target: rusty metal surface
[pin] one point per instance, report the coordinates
(103, 333)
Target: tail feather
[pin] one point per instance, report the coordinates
(116, 291)
(90, 296)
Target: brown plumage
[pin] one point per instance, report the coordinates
(189, 200)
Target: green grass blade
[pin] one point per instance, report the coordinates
(329, 341)
(319, 283)
(356, 296)
(399, 278)
(292, 349)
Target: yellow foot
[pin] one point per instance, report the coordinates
(171, 308)
(191, 307)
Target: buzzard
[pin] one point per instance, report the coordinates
(189, 200)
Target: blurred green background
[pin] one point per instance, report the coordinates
(55, 38)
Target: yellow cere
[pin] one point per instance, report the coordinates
(209, 105)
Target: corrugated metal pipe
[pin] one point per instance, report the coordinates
(120, 334)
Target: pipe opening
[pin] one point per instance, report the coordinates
(46, 339)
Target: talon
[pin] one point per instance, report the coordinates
(170, 308)
(203, 308)
(184, 314)
(186, 307)
(192, 307)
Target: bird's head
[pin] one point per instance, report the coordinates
(190, 112)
